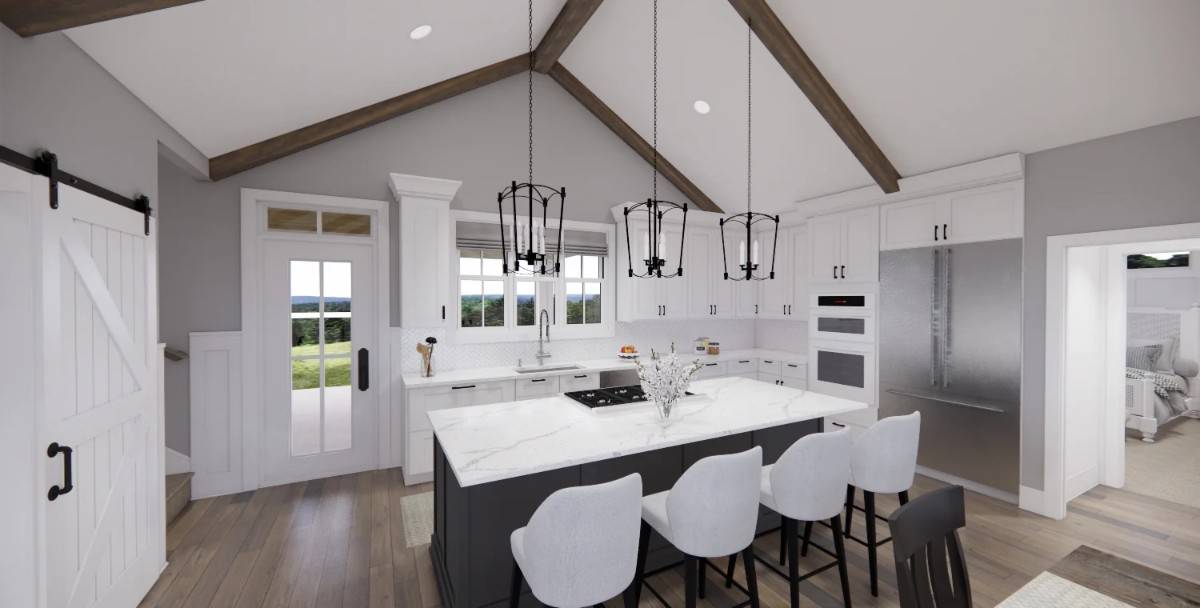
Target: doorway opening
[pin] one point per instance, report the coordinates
(1123, 384)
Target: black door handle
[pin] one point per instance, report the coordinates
(935, 236)
(835, 271)
(364, 369)
(945, 234)
(68, 483)
(843, 271)
(443, 313)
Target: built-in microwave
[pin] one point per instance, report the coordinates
(842, 316)
(842, 369)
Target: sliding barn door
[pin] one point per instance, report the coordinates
(104, 539)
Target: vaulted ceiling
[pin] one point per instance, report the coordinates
(935, 83)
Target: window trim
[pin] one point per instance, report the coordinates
(511, 332)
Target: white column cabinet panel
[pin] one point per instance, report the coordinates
(425, 248)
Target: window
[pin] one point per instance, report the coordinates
(583, 282)
(318, 222)
(1175, 259)
(480, 288)
(320, 351)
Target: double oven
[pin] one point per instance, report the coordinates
(842, 344)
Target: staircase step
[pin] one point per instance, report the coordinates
(179, 494)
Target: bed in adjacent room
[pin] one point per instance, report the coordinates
(1161, 373)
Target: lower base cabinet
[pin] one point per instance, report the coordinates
(472, 557)
(418, 456)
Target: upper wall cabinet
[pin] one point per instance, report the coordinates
(424, 205)
(979, 214)
(844, 247)
(786, 296)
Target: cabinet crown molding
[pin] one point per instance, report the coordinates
(425, 187)
(1007, 168)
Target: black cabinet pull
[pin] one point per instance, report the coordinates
(835, 271)
(68, 482)
(581, 376)
(843, 271)
(792, 365)
(538, 380)
(457, 388)
(364, 369)
(935, 236)
(443, 312)
(710, 364)
(744, 361)
(945, 233)
(838, 424)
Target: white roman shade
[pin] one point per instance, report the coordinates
(482, 235)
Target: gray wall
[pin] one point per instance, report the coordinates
(1149, 177)
(479, 138)
(54, 96)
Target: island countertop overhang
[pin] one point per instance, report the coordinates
(488, 443)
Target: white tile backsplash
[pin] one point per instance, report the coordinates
(646, 335)
(785, 336)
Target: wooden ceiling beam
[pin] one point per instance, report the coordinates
(32, 17)
(776, 37)
(562, 32)
(242, 159)
(627, 134)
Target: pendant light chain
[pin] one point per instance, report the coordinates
(749, 114)
(654, 168)
(531, 91)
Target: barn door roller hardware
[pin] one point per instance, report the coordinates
(46, 164)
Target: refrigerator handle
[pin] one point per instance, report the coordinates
(948, 365)
(935, 356)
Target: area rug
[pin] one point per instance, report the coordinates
(1169, 468)
(418, 518)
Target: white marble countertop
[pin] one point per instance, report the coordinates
(487, 443)
(489, 374)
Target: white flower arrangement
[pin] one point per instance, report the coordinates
(665, 379)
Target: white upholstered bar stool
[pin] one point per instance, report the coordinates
(712, 511)
(580, 547)
(884, 461)
(806, 485)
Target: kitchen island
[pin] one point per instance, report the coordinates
(494, 464)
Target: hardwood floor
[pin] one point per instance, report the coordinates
(341, 542)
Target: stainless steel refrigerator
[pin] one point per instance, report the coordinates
(950, 346)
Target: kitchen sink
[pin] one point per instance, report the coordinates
(533, 369)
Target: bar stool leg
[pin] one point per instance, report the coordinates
(729, 571)
(691, 584)
(869, 498)
(514, 592)
(793, 562)
(630, 597)
(807, 535)
(849, 508)
(839, 547)
(643, 548)
(703, 584)
(783, 534)
(904, 498)
(751, 577)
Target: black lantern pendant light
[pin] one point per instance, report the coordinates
(528, 244)
(653, 244)
(749, 267)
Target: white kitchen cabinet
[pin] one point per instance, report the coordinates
(741, 367)
(709, 294)
(978, 214)
(712, 369)
(533, 388)
(786, 296)
(579, 382)
(844, 247)
(652, 298)
(418, 458)
(425, 249)
(794, 374)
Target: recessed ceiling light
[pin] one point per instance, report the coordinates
(420, 32)
(701, 106)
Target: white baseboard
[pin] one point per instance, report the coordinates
(177, 463)
(1034, 501)
(978, 488)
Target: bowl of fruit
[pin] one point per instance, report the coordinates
(628, 352)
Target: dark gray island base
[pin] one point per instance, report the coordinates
(472, 558)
